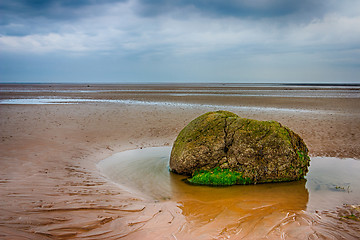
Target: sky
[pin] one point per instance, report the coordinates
(182, 41)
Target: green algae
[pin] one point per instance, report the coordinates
(301, 155)
(219, 177)
(304, 158)
(352, 217)
(227, 177)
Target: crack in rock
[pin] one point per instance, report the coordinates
(264, 151)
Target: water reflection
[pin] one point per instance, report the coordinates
(146, 171)
(253, 211)
(333, 182)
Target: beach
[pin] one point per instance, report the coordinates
(51, 187)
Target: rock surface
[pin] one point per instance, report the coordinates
(223, 143)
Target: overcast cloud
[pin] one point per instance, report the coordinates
(180, 41)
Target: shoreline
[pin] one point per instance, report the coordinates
(189, 84)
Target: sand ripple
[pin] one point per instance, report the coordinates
(50, 187)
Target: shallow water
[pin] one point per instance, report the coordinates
(246, 210)
(193, 90)
(211, 107)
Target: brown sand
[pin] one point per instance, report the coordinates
(50, 186)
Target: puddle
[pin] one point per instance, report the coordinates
(311, 208)
(329, 183)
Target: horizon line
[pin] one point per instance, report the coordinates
(184, 83)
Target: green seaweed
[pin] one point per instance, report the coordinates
(303, 156)
(352, 217)
(218, 177)
(304, 159)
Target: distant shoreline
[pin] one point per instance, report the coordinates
(209, 85)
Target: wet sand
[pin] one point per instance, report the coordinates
(51, 188)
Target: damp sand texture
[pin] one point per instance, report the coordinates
(51, 188)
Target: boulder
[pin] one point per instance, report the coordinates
(221, 148)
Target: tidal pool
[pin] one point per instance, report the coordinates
(260, 209)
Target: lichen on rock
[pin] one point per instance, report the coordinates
(223, 145)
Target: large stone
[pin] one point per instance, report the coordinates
(221, 148)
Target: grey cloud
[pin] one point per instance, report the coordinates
(51, 10)
(57, 9)
(234, 8)
(23, 17)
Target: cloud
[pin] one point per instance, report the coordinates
(24, 17)
(50, 9)
(234, 8)
(118, 27)
(189, 35)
